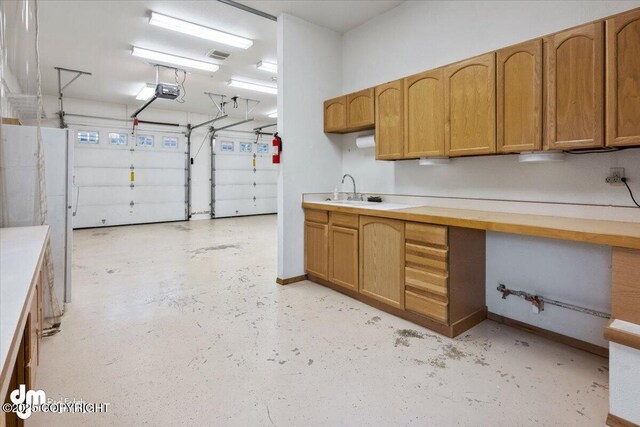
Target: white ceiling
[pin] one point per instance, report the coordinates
(338, 15)
(97, 36)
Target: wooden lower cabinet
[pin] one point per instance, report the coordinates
(382, 260)
(343, 257)
(316, 249)
(430, 274)
(444, 272)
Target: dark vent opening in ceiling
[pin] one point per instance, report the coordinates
(218, 54)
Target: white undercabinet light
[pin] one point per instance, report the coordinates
(146, 92)
(434, 161)
(174, 60)
(196, 30)
(253, 86)
(541, 157)
(273, 115)
(267, 66)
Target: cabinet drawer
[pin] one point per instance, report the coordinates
(427, 233)
(426, 281)
(426, 257)
(426, 306)
(344, 220)
(316, 216)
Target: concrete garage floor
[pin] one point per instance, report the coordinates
(183, 324)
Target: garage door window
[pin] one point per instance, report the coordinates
(118, 138)
(263, 148)
(246, 147)
(226, 146)
(170, 142)
(88, 137)
(145, 141)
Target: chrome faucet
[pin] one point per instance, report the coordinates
(355, 192)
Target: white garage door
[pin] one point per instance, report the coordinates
(245, 180)
(123, 178)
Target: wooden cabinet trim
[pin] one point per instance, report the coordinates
(317, 257)
(340, 125)
(366, 118)
(389, 129)
(333, 277)
(344, 220)
(388, 252)
(615, 26)
(315, 215)
(531, 140)
(487, 61)
(595, 33)
(430, 307)
(425, 137)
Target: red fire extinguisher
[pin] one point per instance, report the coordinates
(277, 148)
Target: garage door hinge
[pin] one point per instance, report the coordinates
(254, 184)
(131, 204)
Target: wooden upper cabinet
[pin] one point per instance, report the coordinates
(335, 114)
(382, 260)
(519, 86)
(389, 121)
(575, 88)
(360, 111)
(424, 114)
(470, 106)
(623, 79)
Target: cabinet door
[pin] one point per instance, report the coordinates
(424, 114)
(470, 106)
(575, 88)
(623, 79)
(343, 257)
(382, 260)
(519, 84)
(360, 111)
(316, 245)
(389, 121)
(335, 114)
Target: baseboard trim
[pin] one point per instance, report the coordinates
(614, 421)
(442, 329)
(291, 280)
(553, 336)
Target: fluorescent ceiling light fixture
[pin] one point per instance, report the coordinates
(434, 161)
(173, 59)
(196, 30)
(541, 157)
(273, 115)
(271, 67)
(147, 92)
(253, 86)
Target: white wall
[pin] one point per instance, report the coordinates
(309, 71)
(200, 170)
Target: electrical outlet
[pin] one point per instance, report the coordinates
(615, 176)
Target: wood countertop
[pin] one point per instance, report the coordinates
(21, 254)
(611, 233)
